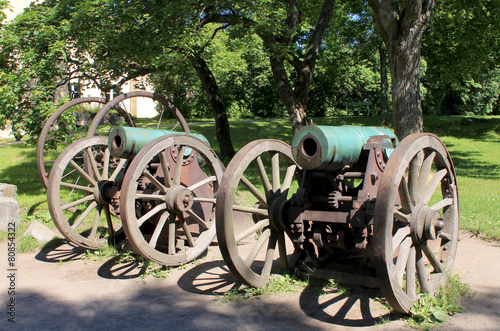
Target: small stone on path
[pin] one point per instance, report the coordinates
(40, 232)
(10, 213)
(8, 190)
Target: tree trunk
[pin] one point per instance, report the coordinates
(402, 30)
(293, 97)
(295, 101)
(212, 91)
(407, 108)
(385, 119)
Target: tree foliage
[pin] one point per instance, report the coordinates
(462, 50)
(265, 58)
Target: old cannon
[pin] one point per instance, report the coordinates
(160, 185)
(90, 116)
(349, 203)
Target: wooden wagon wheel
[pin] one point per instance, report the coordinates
(168, 199)
(68, 124)
(78, 198)
(107, 118)
(416, 220)
(257, 182)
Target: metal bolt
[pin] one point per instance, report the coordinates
(439, 225)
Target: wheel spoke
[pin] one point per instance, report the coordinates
(399, 236)
(255, 191)
(83, 173)
(198, 219)
(119, 167)
(159, 227)
(164, 167)
(111, 230)
(258, 246)
(78, 187)
(268, 261)
(411, 289)
(97, 218)
(253, 229)
(442, 204)
(438, 267)
(69, 174)
(171, 235)
(154, 181)
(282, 251)
(401, 263)
(187, 232)
(84, 215)
(433, 184)
(445, 236)
(252, 210)
(59, 141)
(413, 174)
(73, 190)
(275, 172)
(404, 194)
(403, 218)
(263, 174)
(66, 125)
(93, 163)
(77, 202)
(178, 165)
(422, 272)
(424, 173)
(207, 180)
(290, 173)
(161, 116)
(151, 213)
(142, 196)
(201, 199)
(117, 170)
(105, 167)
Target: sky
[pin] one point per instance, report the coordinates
(17, 7)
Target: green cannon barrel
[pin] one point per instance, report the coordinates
(334, 147)
(126, 142)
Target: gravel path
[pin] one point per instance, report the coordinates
(56, 289)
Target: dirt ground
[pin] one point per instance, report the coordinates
(56, 289)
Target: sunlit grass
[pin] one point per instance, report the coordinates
(474, 144)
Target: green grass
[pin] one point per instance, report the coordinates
(429, 309)
(278, 285)
(18, 167)
(27, 244)
(474, 144)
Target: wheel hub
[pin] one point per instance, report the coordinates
(425, 223)
(101, 192)
(179, 199)
(276, 213)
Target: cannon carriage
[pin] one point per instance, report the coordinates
(91, 116)
(348, 203)
(160, 185)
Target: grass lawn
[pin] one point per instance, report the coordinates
(474, 143)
